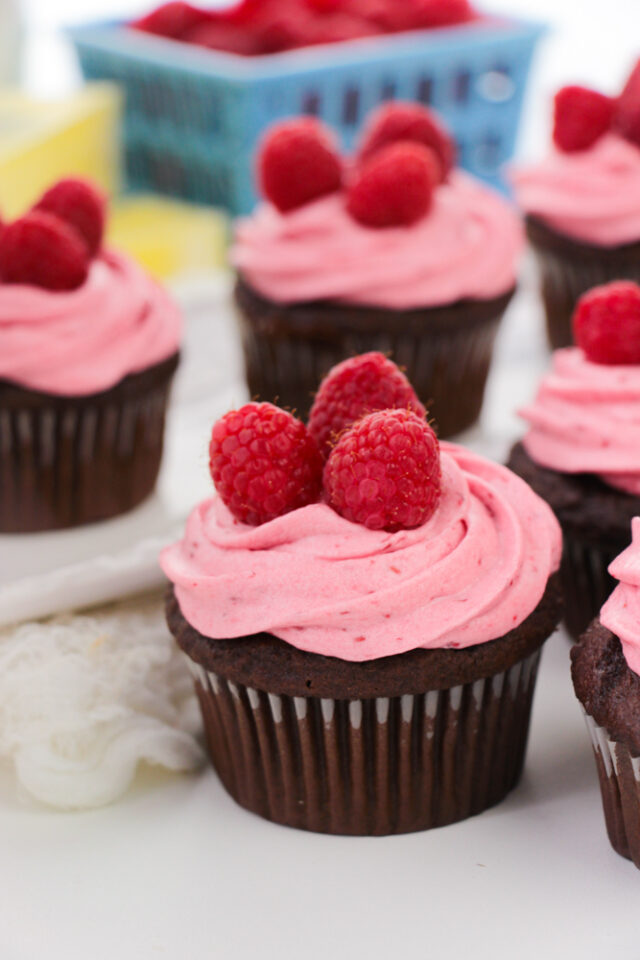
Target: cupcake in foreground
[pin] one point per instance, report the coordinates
(605, 666)
(582, 450)
(582, 203)
(364, 633)
(395, 251)
(88, 348)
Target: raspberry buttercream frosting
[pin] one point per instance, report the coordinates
(586, 419)
(592, 196)
(466, 247)
(84, 341)
(474, 571)
(621, 612)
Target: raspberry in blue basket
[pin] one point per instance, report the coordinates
(354, 388)
(398, 121)
(80, 204)
(173, 20)
(395, 187)
(43, 251)
(264, 463)
(384, 472)
(298, 163)
(581, 117)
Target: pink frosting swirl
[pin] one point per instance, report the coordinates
(592, 196)
(467, 246)
(621, 612)
(470, 574)
(118, 322)
(586, 419)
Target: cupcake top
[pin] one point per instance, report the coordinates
(395, 544)
(586, 415)
(75, 319)
(589, 187)
(397, 227)
(606, 662)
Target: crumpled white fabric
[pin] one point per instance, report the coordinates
(85, 698)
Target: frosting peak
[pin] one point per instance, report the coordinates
(591, 195)
(586, 419)
(470, 574)
(86, 340)
(467, 247)
(621, 612)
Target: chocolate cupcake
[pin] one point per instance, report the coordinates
(582, 204)
(582, 451)
(88, 349)
(605, 667)
(365, 657)
(400, 253)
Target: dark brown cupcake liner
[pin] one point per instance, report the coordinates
(586, 582)
(619, 774)
(66, 461)
(376, 766)
(445, 351)
(568, 269)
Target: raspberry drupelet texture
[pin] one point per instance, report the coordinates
(399, 121)
(298, 163)
(394, 187)
(264, 463)
(354, 388)
(385, 472)
(81, 205)
(581, 117)
(43, 251)
(606, 323)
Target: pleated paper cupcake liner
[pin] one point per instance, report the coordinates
(369, 767)
(567, 272)
(586, 582)
(66, 461)
(445, 351)
(619, 773)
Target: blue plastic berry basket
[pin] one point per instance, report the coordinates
(193, 116)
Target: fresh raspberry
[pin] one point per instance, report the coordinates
(172, 20)
(80, 204)
(219, 34)
(385, 471)
(354, 388)
(627, 110)
(394, 188)
(440, 13)
(264, 463)
(581, 117)
(606, 323)
(407, 121)
(298, 163)
(43, 251)
(325, 6)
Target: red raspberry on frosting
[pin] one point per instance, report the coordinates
(627, 115)
(398, 121)
(385, 472)
(395, 187)
(581, 117)
(43, 251)
(606, 323)
(354, 388)
(80, 204)
(264, 463)
(298, 163)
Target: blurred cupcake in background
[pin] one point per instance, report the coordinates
(582, 450)
(363, 611)
(582, 203)
(88, 348)
(605, 666)
(395, 250)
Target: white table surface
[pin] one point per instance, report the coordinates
(176, 870)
